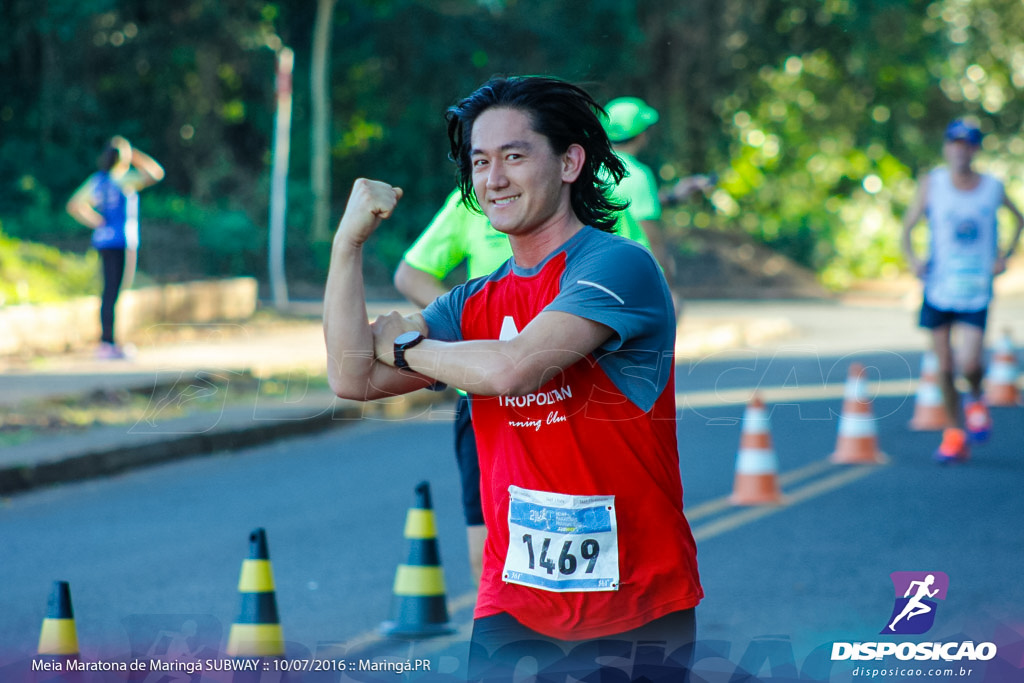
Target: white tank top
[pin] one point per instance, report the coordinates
(963, 242)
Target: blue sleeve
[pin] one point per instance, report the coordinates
(444, 315)
(618, 283)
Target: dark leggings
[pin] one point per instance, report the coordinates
(660, 651)
(113, 274)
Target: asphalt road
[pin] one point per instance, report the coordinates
(159, 550)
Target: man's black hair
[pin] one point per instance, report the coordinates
(563, 113)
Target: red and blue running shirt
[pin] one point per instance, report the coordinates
(580, 480)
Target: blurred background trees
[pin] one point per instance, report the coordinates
(817, 115)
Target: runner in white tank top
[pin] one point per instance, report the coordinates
(961, 206)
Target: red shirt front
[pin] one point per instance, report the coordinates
(605, 426)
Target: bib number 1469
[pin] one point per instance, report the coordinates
(567, 563)
(559, 542)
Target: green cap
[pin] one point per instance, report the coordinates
(628, 117)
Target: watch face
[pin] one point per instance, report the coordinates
(406, 337)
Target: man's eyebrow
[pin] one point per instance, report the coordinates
(514, 144)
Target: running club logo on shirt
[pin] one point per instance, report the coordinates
(540, 398)
(916, 592)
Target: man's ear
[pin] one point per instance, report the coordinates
(572, 163)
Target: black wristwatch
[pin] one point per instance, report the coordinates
(404, 341)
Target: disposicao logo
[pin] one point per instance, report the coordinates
(913, 613)
(916, 593)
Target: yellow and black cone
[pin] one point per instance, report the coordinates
(257, 631)
(59, 637)
(419, 608)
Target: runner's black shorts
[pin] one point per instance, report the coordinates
(469, 465)
(932, 317)
(660, 651)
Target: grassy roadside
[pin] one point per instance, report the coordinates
(202, 393)
(33, 273)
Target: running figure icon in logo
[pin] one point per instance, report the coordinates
(916, 589)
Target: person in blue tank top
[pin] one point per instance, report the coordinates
(108, 203)
(961, 206)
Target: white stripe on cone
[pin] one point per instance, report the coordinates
(756, 481)
(757, 461)
(857, 426)
(1001, 379)
(929, 408)
(856, 442)
(1002, 372)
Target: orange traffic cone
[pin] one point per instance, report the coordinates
(1001, 380)
(58, 638)
(757, 468)
(857, 443)
(257, 630)
(929, 408)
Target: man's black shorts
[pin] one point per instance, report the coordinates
(469, 466)
(660, 651)
(932, 317)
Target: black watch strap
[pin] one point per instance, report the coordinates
(404, 341)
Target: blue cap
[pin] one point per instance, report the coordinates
(962, 130)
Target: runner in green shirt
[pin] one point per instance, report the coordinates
(456, 234)
(627, 123)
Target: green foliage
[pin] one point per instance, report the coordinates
(818, 115)
(217, 239)
(847, 106)
(35, 273)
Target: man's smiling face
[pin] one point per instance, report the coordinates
(520, 182)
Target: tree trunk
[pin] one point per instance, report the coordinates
(320, 154)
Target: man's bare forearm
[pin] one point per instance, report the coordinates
(552, 342)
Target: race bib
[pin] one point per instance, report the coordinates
(562, 543)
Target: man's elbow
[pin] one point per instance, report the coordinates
(344, 387)
(347, 380)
